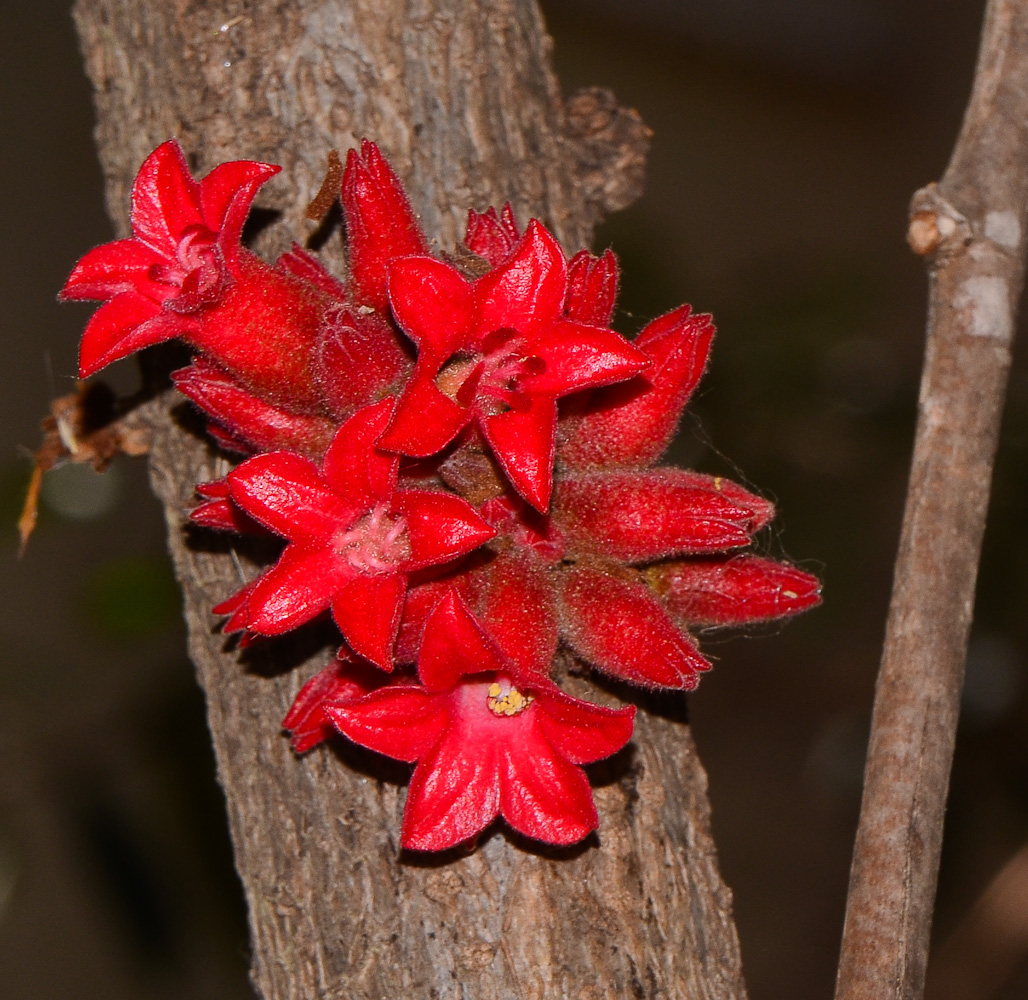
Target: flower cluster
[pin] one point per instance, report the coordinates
(460, 460)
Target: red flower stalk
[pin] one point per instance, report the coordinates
(354, 538)
(498, 351)
(488, 739)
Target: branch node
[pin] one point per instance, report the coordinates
(936, 226)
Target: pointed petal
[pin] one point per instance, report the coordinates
(226, 194)
(126, 324)
(296, 589)
(623, 630)
(223, 515)
(354, 467)
(165, 199)
(442, 526)
(453, 795)
(420, 602)
(433, 303)
(425, 421)
(287, 494)
(523, 443)
(733, 591)
(401, 721)
(116, 267)
(592, 288)
(642, 516)
(380, 224)
(367, 610)
(580, 357)
(492, 236)
(527, 290)
(454, 644)
(341, 681)
(580, 731)
(543, 796)
(631, 424)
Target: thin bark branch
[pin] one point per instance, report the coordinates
(462, 99)
(973, 227)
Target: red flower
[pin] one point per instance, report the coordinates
(498, 351)
(488, 739)
(179, 261)
(354, 537)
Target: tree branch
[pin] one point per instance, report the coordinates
(972, 226)
(462, 100)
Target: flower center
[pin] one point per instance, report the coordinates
(197, 270)
(375, 543)
(493, 380)
(510, 702)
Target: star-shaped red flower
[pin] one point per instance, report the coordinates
(489, 740)
(499, 351)
(179, 261)
(353, 537)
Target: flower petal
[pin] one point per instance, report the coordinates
(367, 610)
(401, 721)
(343, 680)
(425, 420)
(296, 589)
(526, 291)
(433, 303)
(107, 270)
(354, 467)
(580, 731)
(128, 323)
(226, 194)
(452, 796)
(442, 526)
(523, 443)
(165, 199)
(454, 644)
(543, 796)
(581, 357)
(287, 494)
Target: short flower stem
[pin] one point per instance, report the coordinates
(972, 228)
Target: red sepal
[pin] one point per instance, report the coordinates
(623, 630)
(733, 591)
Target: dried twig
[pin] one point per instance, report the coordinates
(972, 227)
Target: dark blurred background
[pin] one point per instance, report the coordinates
(789, 136)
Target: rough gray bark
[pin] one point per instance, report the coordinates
(462, 100)
(973, 225)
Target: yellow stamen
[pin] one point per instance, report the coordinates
(509, 704)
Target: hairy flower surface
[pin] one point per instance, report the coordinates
(489, 740)
(463, 468)
(498, 351)
(353, 537)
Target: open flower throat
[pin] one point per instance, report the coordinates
(376, 543)
(463, 471)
